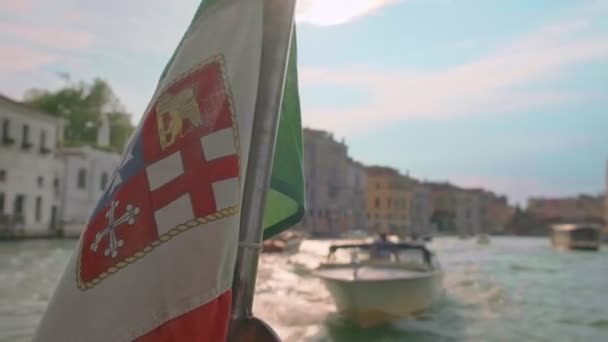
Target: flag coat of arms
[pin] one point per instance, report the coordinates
(156, 260)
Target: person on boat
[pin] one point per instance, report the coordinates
(379, 246)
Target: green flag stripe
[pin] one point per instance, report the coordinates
(285, 203)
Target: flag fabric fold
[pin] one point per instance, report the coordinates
(156, 260)
(285, 202)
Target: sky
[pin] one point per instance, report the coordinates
(510, 95)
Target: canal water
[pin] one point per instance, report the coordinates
(514, 289)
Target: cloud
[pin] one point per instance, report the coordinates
(48, 36)
(16, 6)
(491, 84)
(22, 58)
(335, 12)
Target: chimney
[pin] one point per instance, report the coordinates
(103, 132)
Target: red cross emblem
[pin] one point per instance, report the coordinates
(181, 167)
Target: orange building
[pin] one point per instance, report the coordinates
(388, 200)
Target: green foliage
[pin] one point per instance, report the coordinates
(82, 105)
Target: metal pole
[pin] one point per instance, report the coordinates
(277, 29)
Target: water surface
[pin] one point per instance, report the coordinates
(515, 289)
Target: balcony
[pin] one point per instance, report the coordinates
(44, 150)
(26, 145)
(7, 141)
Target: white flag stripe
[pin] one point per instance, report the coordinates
(174, 214)
(165, 170)
(218, 144)
(226, 193)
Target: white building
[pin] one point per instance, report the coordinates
(325, 167)
(87, 174)
(30, 181)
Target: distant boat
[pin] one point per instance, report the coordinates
(286, 242)
(483, 239)
(586, 236)
(374, 291)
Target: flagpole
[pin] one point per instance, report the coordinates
(277, 32)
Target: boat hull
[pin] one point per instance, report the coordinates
(373, 302)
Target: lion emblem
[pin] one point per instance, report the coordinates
(172, 110)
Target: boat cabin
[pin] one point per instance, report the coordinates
(585, 236)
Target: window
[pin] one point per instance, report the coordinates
(56, 183)
(1, 202)
(43, 148)
(82, 179)
(104, 180)
(377, 185)
(3, 175)
(6, 132)
(38, 208)
(377, 202)
(389, 201)
(25, 144)
(40, 181)
(18, 205)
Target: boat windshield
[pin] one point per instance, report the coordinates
(376, 253)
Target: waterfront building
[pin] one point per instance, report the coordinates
(421, 209)
(30, 177)
(87, 173)
(356, 204)
(582, 208)
(457, 210)
(496, 212)
(606, 207)
(327, 191)
(389, 198)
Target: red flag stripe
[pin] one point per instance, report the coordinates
(206, 323)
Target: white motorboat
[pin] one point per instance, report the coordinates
(371, 290)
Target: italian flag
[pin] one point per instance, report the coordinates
(156, 261)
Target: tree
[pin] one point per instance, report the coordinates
(82, 105)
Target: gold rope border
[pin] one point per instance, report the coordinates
(224, 213)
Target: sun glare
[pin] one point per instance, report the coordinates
(335, 12)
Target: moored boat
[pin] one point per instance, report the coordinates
(483, 239)
(585, 236)
(286, 242)
(376, 290)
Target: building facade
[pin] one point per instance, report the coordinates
(389, 199)
(606, 206)
(496, 213)
(583, 208)
(421, 209)
(457, 210)
(87, 173)
(327, 193)
(468, 212)
(30, 178)
(356, 187)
